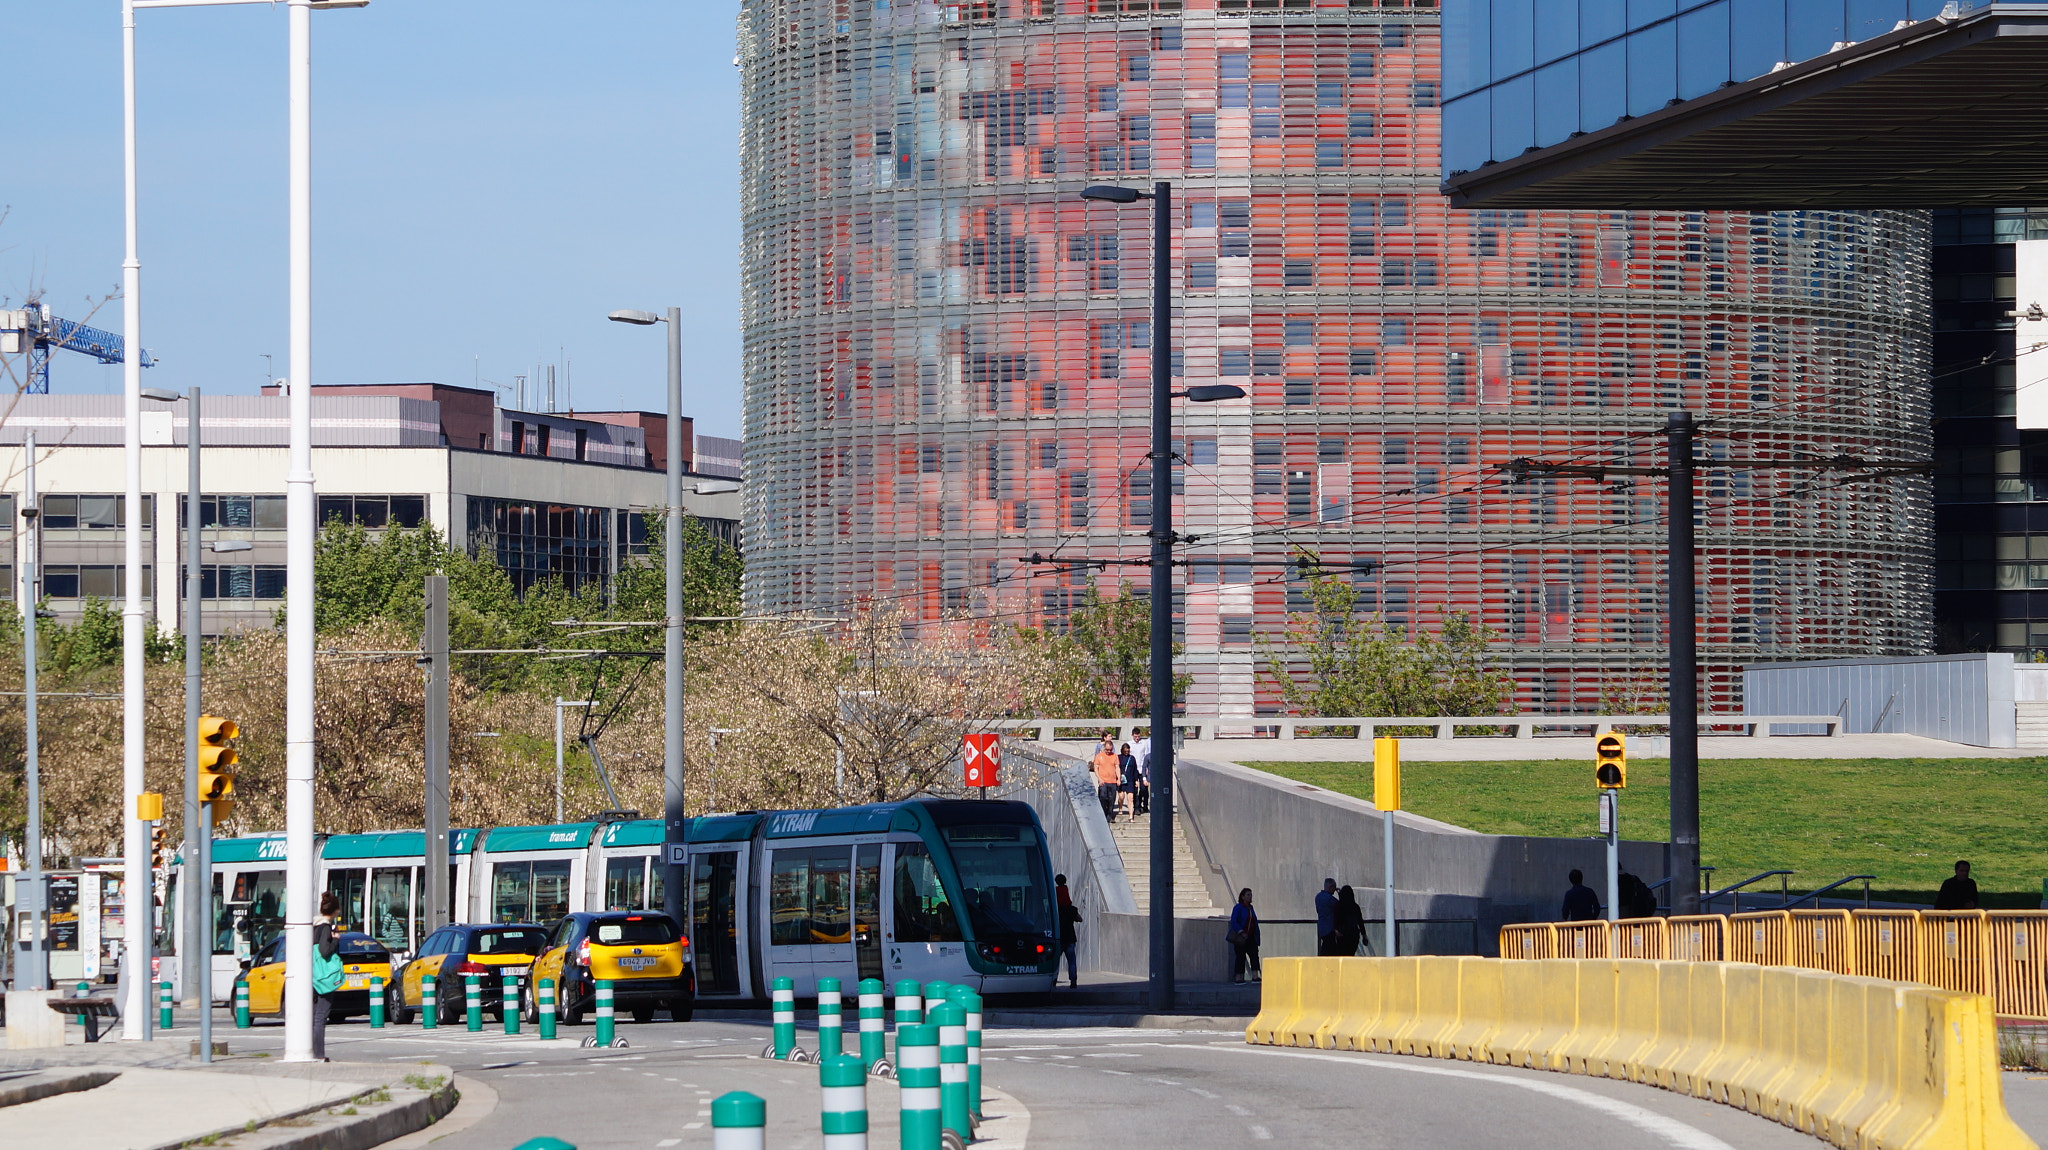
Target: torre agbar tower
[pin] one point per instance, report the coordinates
(947, 351)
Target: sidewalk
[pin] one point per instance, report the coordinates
(160, 1097)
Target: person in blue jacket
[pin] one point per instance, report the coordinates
(1243, 934)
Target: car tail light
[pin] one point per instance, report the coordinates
(583, 953)
(472, 968)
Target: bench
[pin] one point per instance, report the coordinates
(89, 1009)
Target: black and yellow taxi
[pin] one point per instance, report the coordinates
(491, 951)
(362, 959)
(643, 954)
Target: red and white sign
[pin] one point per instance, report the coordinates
(984, 755)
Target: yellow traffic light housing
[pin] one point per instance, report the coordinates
(1610, 762)
(156, 846)
(217, 764)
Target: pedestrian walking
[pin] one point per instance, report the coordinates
(1070, 935)
(1350, 922)
(1326, 918)
(1106, 777)
(327, 971)
(1243, 935)
(1580, 903)
(1959, 891)
(1143, 750)
(1127, 781)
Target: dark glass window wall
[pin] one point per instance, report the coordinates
(1522, 74)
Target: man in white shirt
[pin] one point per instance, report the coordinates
(1142, 751)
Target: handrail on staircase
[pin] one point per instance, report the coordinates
(1815, 895)
(1785, 890)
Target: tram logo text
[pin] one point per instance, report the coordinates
(795, 822)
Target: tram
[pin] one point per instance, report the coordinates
(951, 889)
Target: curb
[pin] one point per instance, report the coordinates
(48, 1083)
(1230, 1023)
(319, 1128)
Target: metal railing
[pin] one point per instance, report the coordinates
(1365, 728)
(1814, 896)
(1735, 891)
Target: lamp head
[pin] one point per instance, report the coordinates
(1112, 193)
(716, 487)
(222, 546)
(1210, 393)
(161, 395)
(629, 315)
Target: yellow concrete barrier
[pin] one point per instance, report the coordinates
(1861, 1063)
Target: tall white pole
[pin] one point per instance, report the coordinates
(135, 1008)
(299, 519)
(558, 758)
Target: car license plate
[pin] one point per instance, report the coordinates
(515, 971)
(639, 962)
(355, 982)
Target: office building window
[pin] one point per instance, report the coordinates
(535, 542)
(91, 581)
(91, 512)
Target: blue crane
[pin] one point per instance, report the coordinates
(35, 331)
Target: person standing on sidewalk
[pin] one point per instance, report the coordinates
(1070, 935)
(1243, 935)
(1106, 778)
(1326, 919)
(327, 971)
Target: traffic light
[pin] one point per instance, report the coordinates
(156, 846)
(217, 764)
(1610, 762)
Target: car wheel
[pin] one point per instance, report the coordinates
(395, 1007)
(681, 1009)
(643, 1014)
(529, 1006)
(571, 1015)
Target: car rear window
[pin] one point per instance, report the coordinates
(634, 930)
(527, 941)
(363, 949)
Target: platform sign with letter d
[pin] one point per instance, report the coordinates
(984, 759)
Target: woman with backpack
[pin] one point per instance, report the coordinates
(1243, 935)
(1350, 922)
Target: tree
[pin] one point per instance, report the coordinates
(1334, 663)
(1100, 665)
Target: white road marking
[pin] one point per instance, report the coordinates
(1234, 1108)
(1203, 1093)
(1671, 1130)
(1262, 1134)
(1113, 1054)
(1118, 1073)
(686, 1125)
(669, 1142)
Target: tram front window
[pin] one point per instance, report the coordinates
(1001, 880)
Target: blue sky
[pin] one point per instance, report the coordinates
(488, 181)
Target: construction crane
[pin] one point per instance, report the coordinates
(34, 331)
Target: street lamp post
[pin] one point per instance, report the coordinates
(300, 525)
(674, 827)
(1160, 694)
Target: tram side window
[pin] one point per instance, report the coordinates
(923, 913)
(346, 885)
(263, 892)
(390, 891)
(809, 894)
(625, 882)
(530, 891)
(789, 888)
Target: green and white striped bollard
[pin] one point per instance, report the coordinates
(909, 1011)
(510, 1009)
(874, 1041)
(970, 1006)
(473, 1002)
(917, 1071)
(376, 1002)
(241, 1004)
(163, 1004)
(831, 1023)
(545, 1144)
(544, 1006)
(430, 1002)
(605, 1020)
(845, 1113)
(782, 996)
(739, 1121)
(934, 993)
(951, 1020)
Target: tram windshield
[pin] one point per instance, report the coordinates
(1002, 884)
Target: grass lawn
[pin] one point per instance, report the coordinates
(1904, 820)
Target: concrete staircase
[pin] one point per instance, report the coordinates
(2033, 724)
(1190, 894)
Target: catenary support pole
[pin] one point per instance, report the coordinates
(206, 948)
(1610, 819)
(194, 946)
(435, 641)
(674, 827)
(301, 523)
(34, 971)
(1684, 684)
(135, 833)
(1161, 702)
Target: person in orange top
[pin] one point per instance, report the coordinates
(1106, 778)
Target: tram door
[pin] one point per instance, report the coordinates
(714, 921)
(810, 903)
(867, 910)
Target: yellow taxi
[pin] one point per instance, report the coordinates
(491, 951)
(643, 954)
(362, 959)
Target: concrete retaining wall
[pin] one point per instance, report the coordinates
(1061, 790)
(1961, 698)
(1282, 838)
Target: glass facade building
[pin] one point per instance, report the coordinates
(1521, 74)
(947, 351)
